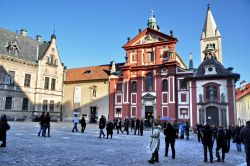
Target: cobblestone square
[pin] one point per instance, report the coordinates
(25, 148)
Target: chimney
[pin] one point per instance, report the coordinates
(24, 32)
(38, 38)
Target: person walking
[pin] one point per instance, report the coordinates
(221, 144)
(245, 138)
(198, 128)
(41, 122)
(229, 136)
(83, 124)
(176, 127)
(170, 136)
(119, 126)
(154, 144)
(182, 129)
(109, 128)
(237, 139)
(102, 124)
(141, 127)
(132, 125)
(75, 121)
(46, 125)
(207, 142)
(126, 125)
(137, 126)
(4, 126)
(187, 130)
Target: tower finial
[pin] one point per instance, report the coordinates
(152, 13)
(208, 6)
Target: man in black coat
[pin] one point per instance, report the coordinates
(126, 125)
(141, 127)
(245, 138)
(171, 135)
(83, 124)
(221, 144)
(4, 126)
(137, 126)
(229, 136)
(207, 142)
(46, 124)
(41, 122)
(198, 127)
(109, 128)
(102, 124)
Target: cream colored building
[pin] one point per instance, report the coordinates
(31, 76)
(243, 103)
(86, 92)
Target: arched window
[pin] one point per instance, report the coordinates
(149, 82)
(25, 104)
(134, 86)
(165, 85)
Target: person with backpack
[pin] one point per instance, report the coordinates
(109, 128)
(41, 122)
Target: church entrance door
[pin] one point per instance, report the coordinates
(212, 116)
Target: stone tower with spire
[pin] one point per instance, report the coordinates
(211, 36)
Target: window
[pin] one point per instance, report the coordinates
(94, 93)
(118, 112)
(46, 83)
(51, 106)
(8, 103)
(53, 84)
(25, 104)
(119, 87)
(134, 86)
(45, 105)
(149, 82)
(27, 80)
(10, 78)
(165, 85)
(183, 84)
(150, 57)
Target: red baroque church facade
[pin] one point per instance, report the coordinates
(151, 82)
(155, 82)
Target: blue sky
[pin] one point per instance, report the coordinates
(93, 32)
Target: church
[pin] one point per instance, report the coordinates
(155, 82)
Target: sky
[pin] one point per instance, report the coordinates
(93, 32)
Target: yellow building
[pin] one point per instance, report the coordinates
(243, 103)
(86, 92)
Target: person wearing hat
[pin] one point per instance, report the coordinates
(245, 137)
(154, 144)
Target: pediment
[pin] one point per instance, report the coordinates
(149, 36)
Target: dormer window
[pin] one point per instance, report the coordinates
(87, 72)
(210, 70)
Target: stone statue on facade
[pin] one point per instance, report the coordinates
(200, 98)
(222, 97)
(211, 93)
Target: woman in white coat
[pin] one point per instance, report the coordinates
(154, 144)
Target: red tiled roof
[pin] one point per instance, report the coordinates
(240, 93)
(87, 73)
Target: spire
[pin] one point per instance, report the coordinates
(191, 66)
(113, 68)
(210, 28)
(152, 21)
(53, 36)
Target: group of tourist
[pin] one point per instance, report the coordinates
(206, 134)
(209, 134)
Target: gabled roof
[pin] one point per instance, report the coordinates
(163, 37)
(27, 47)
(241, 93)
(88, 73)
